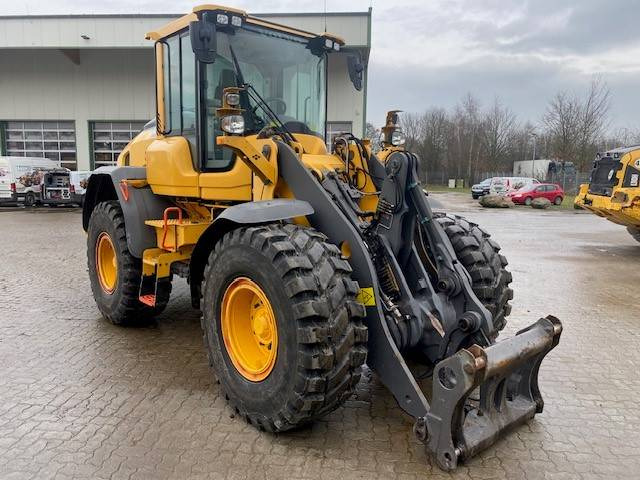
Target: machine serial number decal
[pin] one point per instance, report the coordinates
(366, 297)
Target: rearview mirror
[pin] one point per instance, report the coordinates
(356, 70)
(203, 39)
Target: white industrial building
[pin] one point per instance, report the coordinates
(77, 88)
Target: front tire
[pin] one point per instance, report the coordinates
(480, 255)
(114, 273)
(528, 201)
(300, 301)
(558, 201)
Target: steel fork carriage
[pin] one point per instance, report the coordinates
(505, 375)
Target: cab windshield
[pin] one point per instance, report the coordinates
(280, 68)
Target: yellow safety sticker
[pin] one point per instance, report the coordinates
(367, 297)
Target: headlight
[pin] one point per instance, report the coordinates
(236, 21)
(328, 43)
(222, 19)
(398, 138)
(233, 124)
(233, 99)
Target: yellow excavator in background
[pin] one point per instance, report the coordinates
(613, 191)
(306, 262)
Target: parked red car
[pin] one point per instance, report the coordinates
(525, 195)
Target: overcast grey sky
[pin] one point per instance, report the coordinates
(431, 52)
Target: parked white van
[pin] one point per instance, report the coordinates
(21, 179)
(504, 185)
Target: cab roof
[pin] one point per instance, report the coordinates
(618, 152)
(183, 22)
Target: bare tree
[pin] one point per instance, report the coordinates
(498, 126)
(470, 108)
(373, 135)
(469, 141)
(411, 124)
(594, 118)
(621, 137)
(465, 125)
(574, 124)
(433, 148)
(562, 120)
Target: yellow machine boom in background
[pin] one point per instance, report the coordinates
(614, 189)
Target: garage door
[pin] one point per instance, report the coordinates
(109, 138)
(53, 140)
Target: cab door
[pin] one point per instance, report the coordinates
(171, 159)
(550, 192)
(222, 177)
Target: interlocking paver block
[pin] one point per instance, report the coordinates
(80, 398)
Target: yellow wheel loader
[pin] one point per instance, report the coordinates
(306, 262)
(613, 191)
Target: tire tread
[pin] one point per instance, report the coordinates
(129, 311)
(481, 257)
(332, 336)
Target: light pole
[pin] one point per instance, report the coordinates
(533, 158)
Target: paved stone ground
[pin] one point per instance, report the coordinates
(80, 398)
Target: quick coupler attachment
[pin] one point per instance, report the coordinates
(481, 393)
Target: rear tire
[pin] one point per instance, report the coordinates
(119, 304)
(321, 338)
(480, 255)
(29, 200)
(558, 201)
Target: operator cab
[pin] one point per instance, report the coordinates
(280, 73)
(604, 176)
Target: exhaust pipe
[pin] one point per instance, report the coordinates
(505, 376)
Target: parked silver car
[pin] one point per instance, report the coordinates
(480, 189)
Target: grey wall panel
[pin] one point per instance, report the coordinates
(344, 103)
(66, 32)
(129, 31)
(108, 84)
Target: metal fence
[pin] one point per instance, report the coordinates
(570, 183)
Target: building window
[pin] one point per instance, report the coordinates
(336, 128)
(45, 139)
(109, 138)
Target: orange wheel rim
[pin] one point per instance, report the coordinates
(106, 263)
(249, 329)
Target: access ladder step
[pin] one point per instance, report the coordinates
(149, 300)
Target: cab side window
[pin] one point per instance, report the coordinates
(187, 85)
(216, 77)
(171, 68)
(180, 89)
